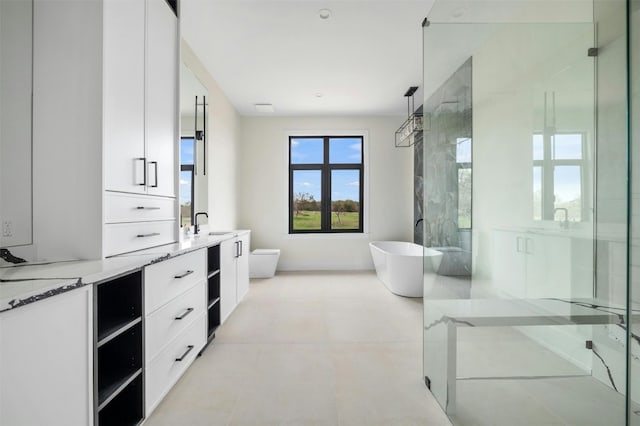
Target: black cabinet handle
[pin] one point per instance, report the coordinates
(153, 234)
(241, 249)
(187, 312)
(184, 274)
(144, 171)
(155, 168)
(147, 208)
(181, 357)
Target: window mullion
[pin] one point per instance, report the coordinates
(326, 189)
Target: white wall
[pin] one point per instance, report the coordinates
(223, 139)
(263, 191)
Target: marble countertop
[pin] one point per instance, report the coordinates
(23, 284)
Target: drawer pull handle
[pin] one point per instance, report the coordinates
(183, 274)
(181, 357)
(153, 234)
(147, 208)
(187, 312)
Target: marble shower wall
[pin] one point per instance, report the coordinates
(418, 189)
(446, 153)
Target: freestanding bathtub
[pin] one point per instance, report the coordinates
(399, 265)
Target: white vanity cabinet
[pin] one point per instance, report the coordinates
(46, 361)
(532, 265)
(175, 321)
(105, 123)
(234, 272)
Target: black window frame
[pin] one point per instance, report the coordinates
(325, 169)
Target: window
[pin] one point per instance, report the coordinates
(463, 161)
(326, 175)
(558, 176)
(187, 146)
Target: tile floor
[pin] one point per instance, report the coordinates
(310, 349)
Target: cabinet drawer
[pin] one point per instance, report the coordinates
(165, 280)
(168, 366)
(126, 237)
(166, 323)
(137, 208)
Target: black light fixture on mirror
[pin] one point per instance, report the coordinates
(413, 125)
(200, 135)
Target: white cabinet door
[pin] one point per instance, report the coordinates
(228, 276)
(123, 95)
(509, 263)
(46, 363)
(548, 266)
(242, 266)
(161, 97)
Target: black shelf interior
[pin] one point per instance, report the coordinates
(213, 259)
(118, 360)
(119, 302)
(213, 288)
(127, 408)
(213, 319)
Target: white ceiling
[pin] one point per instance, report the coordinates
(362, 59)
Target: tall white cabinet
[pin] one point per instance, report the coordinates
(105, 126)
(140, 92)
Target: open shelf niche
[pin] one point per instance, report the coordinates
(118, 351)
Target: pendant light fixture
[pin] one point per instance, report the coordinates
(413, 125)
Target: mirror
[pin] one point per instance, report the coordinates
(16, 53)
(193, 146)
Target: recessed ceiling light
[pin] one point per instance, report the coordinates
(319, 95)
(324, 13)
(264, 107)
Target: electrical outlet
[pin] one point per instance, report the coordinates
(7, 228)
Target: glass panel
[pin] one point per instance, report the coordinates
(345, 150)
(307, 150)
(186, 199)
(567, 188)
(536, 327)
(345, 199)
(186, 150)
(634, 255)
(306, 200)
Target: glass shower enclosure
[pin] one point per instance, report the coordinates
(532, 204)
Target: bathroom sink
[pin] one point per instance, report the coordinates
(220, 232)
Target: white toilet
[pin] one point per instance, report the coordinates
(263, 262)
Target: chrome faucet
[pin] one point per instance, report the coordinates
(196, 227)
(565, 223)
